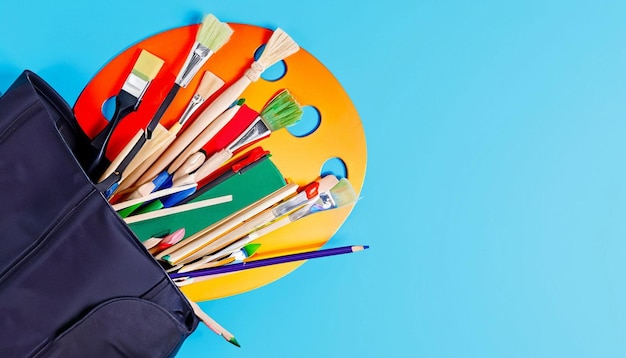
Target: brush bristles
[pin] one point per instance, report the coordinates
(282, 111)
(209, 84)
(147, 66)
(279, 47)
(343, 193)
(213, 33)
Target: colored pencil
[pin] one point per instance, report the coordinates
(270, 261)
(212, 324)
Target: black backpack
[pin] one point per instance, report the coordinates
(74, 279)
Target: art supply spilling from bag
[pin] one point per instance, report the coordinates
(194, 187)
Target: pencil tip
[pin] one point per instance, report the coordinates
(365, 247)
(234, 341)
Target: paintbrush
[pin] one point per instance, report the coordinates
(209, 84)
(281, 111)
(214, 326)
(340, 194)
(162, 177)
(279, 46)
(211, 36)
(145, 69)
(205, 236)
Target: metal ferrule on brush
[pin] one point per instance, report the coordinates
(323, 202)
(193, 105)
(258, 129)
(292, 204)
(135, 85)
(195, 60)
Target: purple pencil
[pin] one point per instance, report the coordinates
(270, 261)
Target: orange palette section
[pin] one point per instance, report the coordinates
(300, 159)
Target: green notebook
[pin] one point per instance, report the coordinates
(246, 188)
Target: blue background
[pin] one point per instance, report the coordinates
(495, 195)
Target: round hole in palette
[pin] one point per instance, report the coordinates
(299, 159)
(274, 72)
(108, 108)
(310, 121)
(334, 166)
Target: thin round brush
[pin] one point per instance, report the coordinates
(281, 111)
(211, 36)
(279, 46)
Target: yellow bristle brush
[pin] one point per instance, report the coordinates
(279, 46)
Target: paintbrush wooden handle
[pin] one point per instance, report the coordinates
(212, 164)
(209, 132)
(203, 238)
(160, 136)
(216, 243)
(120, 157)
(208, 115)
(133, 178)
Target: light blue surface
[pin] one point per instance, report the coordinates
(495, 196)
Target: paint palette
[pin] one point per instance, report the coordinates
(330, 138)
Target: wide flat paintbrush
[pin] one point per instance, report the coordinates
(145, 69)
(279, 46)
(281, 111)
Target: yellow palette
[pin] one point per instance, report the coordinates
(300, 159)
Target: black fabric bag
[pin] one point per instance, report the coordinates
(74, 280)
